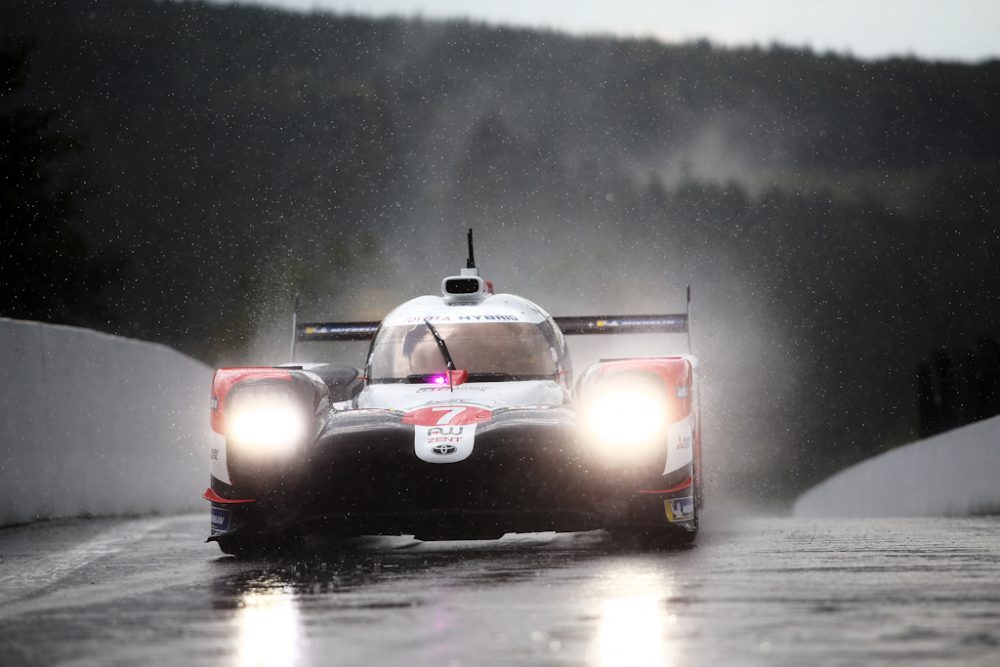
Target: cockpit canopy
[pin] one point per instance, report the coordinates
(489, 351)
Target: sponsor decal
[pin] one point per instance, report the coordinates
(417, 319)
(680, 441)
(221, 520)
(644, 322)
(213, 454)
(449, 389)
(682, 392)
(445, 433)
(684, 442)
(679, 509)
(489, 318)
(444, 444)
(340, 329)
(412, 319)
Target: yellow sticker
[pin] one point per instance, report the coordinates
(679, 509)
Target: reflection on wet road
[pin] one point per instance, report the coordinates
(761, 591)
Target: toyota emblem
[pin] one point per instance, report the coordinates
(444, 450)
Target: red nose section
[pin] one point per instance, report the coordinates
(226, 378)
(210, 494)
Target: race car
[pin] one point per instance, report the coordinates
(464, 423)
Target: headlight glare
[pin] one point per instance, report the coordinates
(264, 420)
(622, 415)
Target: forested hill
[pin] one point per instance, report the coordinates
(839, 218)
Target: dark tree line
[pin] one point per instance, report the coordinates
(47, 270)
(960, 386)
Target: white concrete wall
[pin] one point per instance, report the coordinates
(97, 424)
(952, 474)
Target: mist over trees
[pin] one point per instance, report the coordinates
(838, 218)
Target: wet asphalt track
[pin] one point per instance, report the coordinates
(754, 592)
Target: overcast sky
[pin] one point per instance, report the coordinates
(966, 30)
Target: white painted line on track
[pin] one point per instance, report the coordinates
(22, 577)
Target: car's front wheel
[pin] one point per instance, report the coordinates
(260, 546)
(655, 536)
(656, 522)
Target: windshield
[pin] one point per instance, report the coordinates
(488, 351)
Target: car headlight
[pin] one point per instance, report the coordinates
(626, 414)
(266, 419)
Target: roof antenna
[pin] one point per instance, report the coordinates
(687, 313)
(471, 262)
(295, 328)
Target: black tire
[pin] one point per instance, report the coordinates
(653, 536)
(260, 546)
(647, 526)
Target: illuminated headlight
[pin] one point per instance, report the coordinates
(625, 415)
(266, 420)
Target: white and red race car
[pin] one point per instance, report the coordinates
(465, 423)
